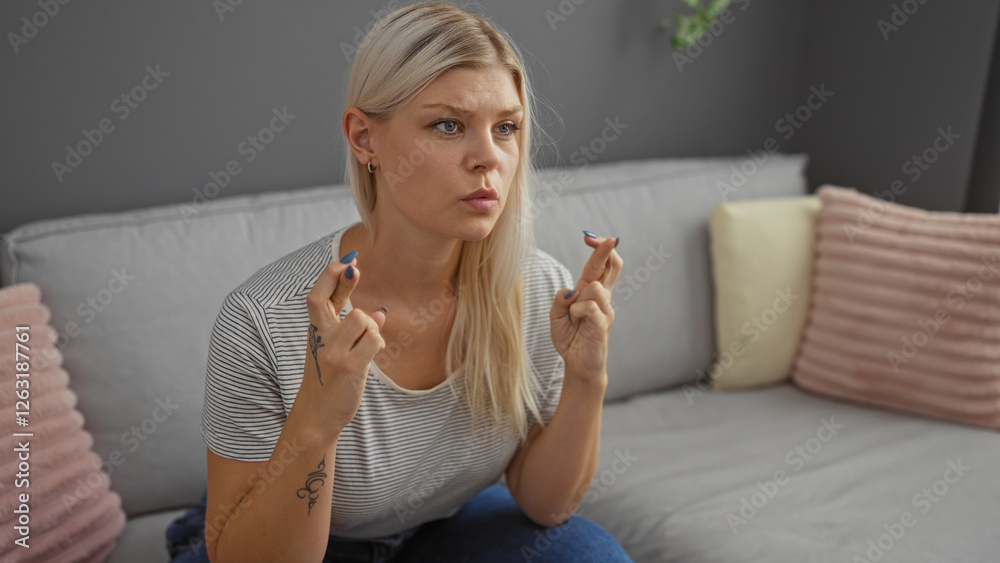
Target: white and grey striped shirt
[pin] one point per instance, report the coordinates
(405, 458)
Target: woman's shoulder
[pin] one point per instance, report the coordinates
(544, 272)
(290, 276)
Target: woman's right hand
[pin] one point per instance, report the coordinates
(338, 352)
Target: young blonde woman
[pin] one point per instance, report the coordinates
(366, 393)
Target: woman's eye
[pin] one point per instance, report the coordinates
(450, 126)
(510, 129)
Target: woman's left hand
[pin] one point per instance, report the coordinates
(580, 325)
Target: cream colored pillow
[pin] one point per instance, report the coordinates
(762, 258)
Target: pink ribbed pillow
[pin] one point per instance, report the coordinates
(73, 515)
(905, 309)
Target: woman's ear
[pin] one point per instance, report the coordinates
(358, 131)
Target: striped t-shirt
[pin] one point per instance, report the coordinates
(406, 457)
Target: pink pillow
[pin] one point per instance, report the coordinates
(905, 309)
(73, 515)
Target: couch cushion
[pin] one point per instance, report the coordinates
(906, 309)
(675, 465)
(663, 333)
(73, 515)
(762, 253)
(145, 539)
(134, 294)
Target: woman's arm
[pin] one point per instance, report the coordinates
(278, 512)
(282, 512)
(550, 474)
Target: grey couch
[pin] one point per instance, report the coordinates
(686, 474)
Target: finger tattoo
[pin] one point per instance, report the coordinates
(315, 343)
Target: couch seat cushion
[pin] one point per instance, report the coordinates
(678, 468)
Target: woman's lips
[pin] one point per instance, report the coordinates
(481, 204)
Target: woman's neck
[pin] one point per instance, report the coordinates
(404, 264)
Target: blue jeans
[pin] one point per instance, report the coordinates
(490, 527)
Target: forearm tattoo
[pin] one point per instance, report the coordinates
(315, 343)
(316, 479)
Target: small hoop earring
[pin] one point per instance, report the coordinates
(370, 171)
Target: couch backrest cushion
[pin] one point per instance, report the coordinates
(905, 309)
(134, 294)
(74, 516)
(664, 331)
(762, 258)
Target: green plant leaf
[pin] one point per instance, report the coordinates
(716, 6)
(689, 29)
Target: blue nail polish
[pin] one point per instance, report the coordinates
(348, 257)
(349, 274)
(569, 294)
(590, 234)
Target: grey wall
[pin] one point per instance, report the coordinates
(894, 90)
(605, 60)
(984, 185)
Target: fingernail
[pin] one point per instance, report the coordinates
(384, 309)
(349, 274)
(590, 234)
(348, 257)
(569, 294)
(617, 240)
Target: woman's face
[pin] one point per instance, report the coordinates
(457, 136)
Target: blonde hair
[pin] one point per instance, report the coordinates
(403, 53)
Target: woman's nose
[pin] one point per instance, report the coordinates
(484, 154)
